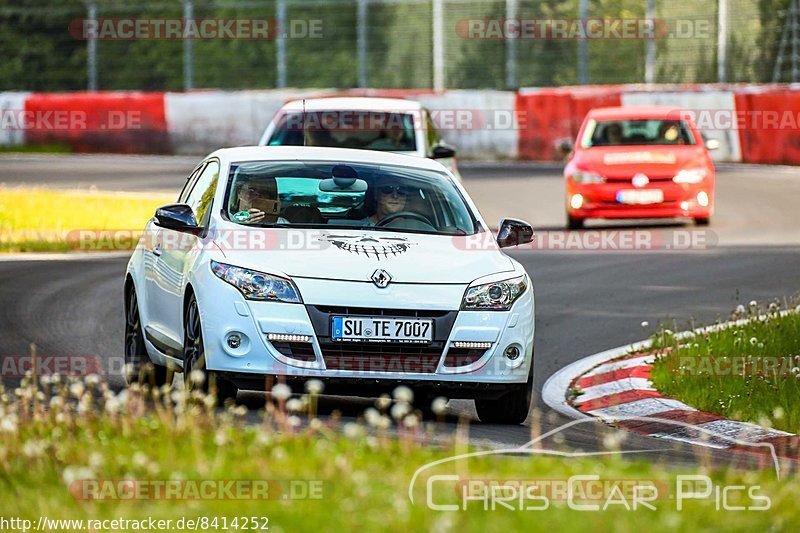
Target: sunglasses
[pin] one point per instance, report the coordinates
(398, 189)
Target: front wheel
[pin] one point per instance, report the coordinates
(511, 408)
(195, 375)
(138, 367)
(574, 223)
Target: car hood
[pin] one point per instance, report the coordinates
(354, 255)
(624, 161)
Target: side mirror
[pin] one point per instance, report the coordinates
(178, 217)
(514, 232)
(442, 151)
(712, 144)
(565, 147)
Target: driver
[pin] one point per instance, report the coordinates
(258, 201)
(390, 199)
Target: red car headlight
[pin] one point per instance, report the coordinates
(690, 175)
(582, 176)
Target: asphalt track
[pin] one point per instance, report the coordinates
(587, 301)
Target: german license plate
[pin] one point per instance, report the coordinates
(649, 196)
(382, 329)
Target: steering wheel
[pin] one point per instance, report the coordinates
(403, 214)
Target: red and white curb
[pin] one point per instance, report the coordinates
(615, 387)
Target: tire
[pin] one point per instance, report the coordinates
(511, 408)
(194, 358)
(574, 223)
(139, 368)
(702, 221)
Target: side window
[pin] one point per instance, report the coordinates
(433, 134)
(189, 183)
(203, 193)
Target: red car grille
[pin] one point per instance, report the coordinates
(376, 357)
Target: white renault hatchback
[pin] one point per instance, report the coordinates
(363, 269)
(367, 123)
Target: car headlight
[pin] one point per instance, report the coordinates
(256, 285)
(690, 175)
(580, 176)
(495, 296)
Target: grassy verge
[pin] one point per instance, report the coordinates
(40, 219)
(66, 441)
(36, 149)
(747, 372)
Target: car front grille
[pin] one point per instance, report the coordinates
(381, 357)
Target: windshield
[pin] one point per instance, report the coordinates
(331, 195)
(368, 130)
(636, 132)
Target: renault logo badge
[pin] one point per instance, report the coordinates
(381, 278)
(640, 180)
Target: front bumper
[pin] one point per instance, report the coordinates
(600, 201)
(224, 311)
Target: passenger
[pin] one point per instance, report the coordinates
(258, 201)
(613, 134)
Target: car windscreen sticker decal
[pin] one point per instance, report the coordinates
(623, 158)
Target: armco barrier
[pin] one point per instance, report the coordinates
(201, 121)
(123, 122)
(552, 115)
(770, 124)
(12, 126)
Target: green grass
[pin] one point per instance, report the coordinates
(36, 149)
(76, 431)
(747, 372)
(41, 219)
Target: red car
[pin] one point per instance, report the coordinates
(639, 162)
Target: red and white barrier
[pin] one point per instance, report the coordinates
(755, 124)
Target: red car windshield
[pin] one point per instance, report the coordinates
(636, 132)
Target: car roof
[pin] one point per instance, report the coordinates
(625, 112)
(316, 153)
(353, 103)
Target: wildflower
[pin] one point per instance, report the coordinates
(411, 421)
(8, 424)
(281, 392)
(439, 405)
(76, 389)
(399, 410)
(740, 310)
(353, 431)
(294, 405)
(197, 377)
(645, 323)
(76, 473)
(383, 402)
(314, 386)
(403, 394)
(371, 415)
(753, 341)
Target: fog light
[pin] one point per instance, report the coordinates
(234, 340)
(512, 352)
(685, 206)
(576, 201)
(702, 198)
